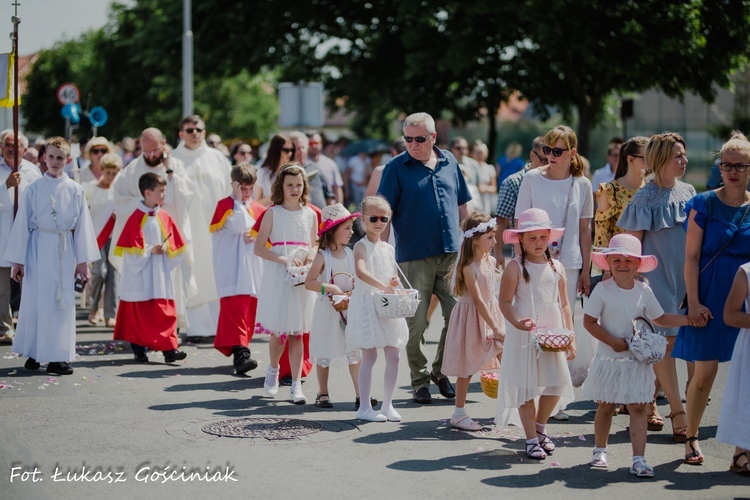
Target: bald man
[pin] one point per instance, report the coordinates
(180, 190)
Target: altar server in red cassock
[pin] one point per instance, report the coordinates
(237, 269)
(152, 246)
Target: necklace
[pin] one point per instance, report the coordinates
(52, 202)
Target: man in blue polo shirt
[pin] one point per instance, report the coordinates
(428, 195)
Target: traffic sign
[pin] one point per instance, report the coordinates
(67, 93)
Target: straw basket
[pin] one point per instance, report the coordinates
(489, 382)
(402, 304)
(343, 280)
(552, 339)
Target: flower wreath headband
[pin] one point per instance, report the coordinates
(481, 228)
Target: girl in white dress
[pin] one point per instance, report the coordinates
(327, 337)
(285, 309)
(375, 266)
(734, 420)
(615, 375)
(533, 294)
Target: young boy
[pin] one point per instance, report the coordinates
(151, 246)
(50, 246)
(101, 200)
(236, 268)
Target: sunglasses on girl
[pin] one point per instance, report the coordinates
(556, 152)
(375, 218)
(417, 138)
(288, 150)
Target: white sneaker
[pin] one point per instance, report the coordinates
(391, 414)
(371, 416)
(298, 396)
(271, 384)
(561, 416)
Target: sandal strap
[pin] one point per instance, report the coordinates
(736, 458)
(535, 450)
(674, 414)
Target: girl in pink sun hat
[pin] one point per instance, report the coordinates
(615, 375)
(533, 385)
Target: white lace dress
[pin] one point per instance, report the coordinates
(285, 309)
(365, 329)
(526, 373)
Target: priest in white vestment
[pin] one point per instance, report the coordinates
(210, 171)
(180, 190)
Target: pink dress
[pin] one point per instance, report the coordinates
(469, 346)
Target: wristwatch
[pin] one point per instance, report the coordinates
(169, 171)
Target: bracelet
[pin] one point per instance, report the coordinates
(322, 289)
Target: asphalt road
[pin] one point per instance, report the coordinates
(117, 430)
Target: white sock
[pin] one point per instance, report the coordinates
(637, 458)
(532, 441)
(541, 428)
(272, 374)
(597, 449)
(391, 376)
(296, 384)
(459, 412)
(369, 356)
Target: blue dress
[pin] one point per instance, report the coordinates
(719, 222)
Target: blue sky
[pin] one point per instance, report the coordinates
(44, 22)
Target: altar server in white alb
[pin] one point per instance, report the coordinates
(50, 246)
(209, 170)
(15, 184)
(154, 158)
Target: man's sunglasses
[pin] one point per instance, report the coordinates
(375, 218)
(556, 152)
(191, 130)
(417, 138)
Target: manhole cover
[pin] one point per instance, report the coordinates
(271, 429)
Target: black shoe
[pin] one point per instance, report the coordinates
(174, 355)
(31, 364)
(140, 358)
(197, 339)
(286, 380)
(373, 403)
(423, 396)
(243, 363)
(61, 368)
(446, 389)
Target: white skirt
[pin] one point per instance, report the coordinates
(623, 380)
(526, 374)
(734, 418)
(327, 339)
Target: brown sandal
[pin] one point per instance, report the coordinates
(678, 433)
(695, 457)
(655, 422)
(743, 470)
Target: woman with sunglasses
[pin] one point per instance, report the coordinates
(280, 152)
(718, 243)
(562, 191)
(655, 215)
(95, 149)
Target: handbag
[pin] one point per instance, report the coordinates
(684, 304)
(646, 345)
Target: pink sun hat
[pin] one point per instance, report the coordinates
(533, 219)
(332, 216)
(624, 244)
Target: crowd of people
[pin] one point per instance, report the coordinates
(225, 245)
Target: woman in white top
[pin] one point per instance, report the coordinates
(565, 194)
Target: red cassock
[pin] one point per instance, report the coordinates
(237, 312)
(149, 323)
(284, 367)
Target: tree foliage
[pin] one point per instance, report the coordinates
(380, 58)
